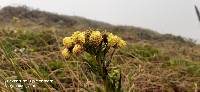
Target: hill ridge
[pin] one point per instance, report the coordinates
(48, 19)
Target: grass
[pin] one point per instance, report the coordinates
(150, 62)
(32, 55)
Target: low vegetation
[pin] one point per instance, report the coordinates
(31, 45)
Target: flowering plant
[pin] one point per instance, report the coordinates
(97, 45)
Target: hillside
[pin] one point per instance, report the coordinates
(46, 19)
(154, 62)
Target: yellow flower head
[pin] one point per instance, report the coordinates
(77, 49)
(79, 37)
(66, 53)
(112, 40)
(121, 43)
(75, 34)
(95, 37)
(68, 42)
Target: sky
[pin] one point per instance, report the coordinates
(176, 17)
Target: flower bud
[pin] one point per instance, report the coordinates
(77, 49)
(66, 53)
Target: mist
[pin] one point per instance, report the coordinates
(176, 17)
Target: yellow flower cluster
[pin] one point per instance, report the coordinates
(95, 38)
(78, 37)
(115, 41)
(68, 42)
(75, 44)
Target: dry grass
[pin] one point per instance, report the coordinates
(151, 62)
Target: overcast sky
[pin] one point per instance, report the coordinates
(165, 16)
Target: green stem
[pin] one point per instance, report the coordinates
(108, 85)
(100, 59)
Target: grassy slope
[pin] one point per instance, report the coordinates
(151, 61)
